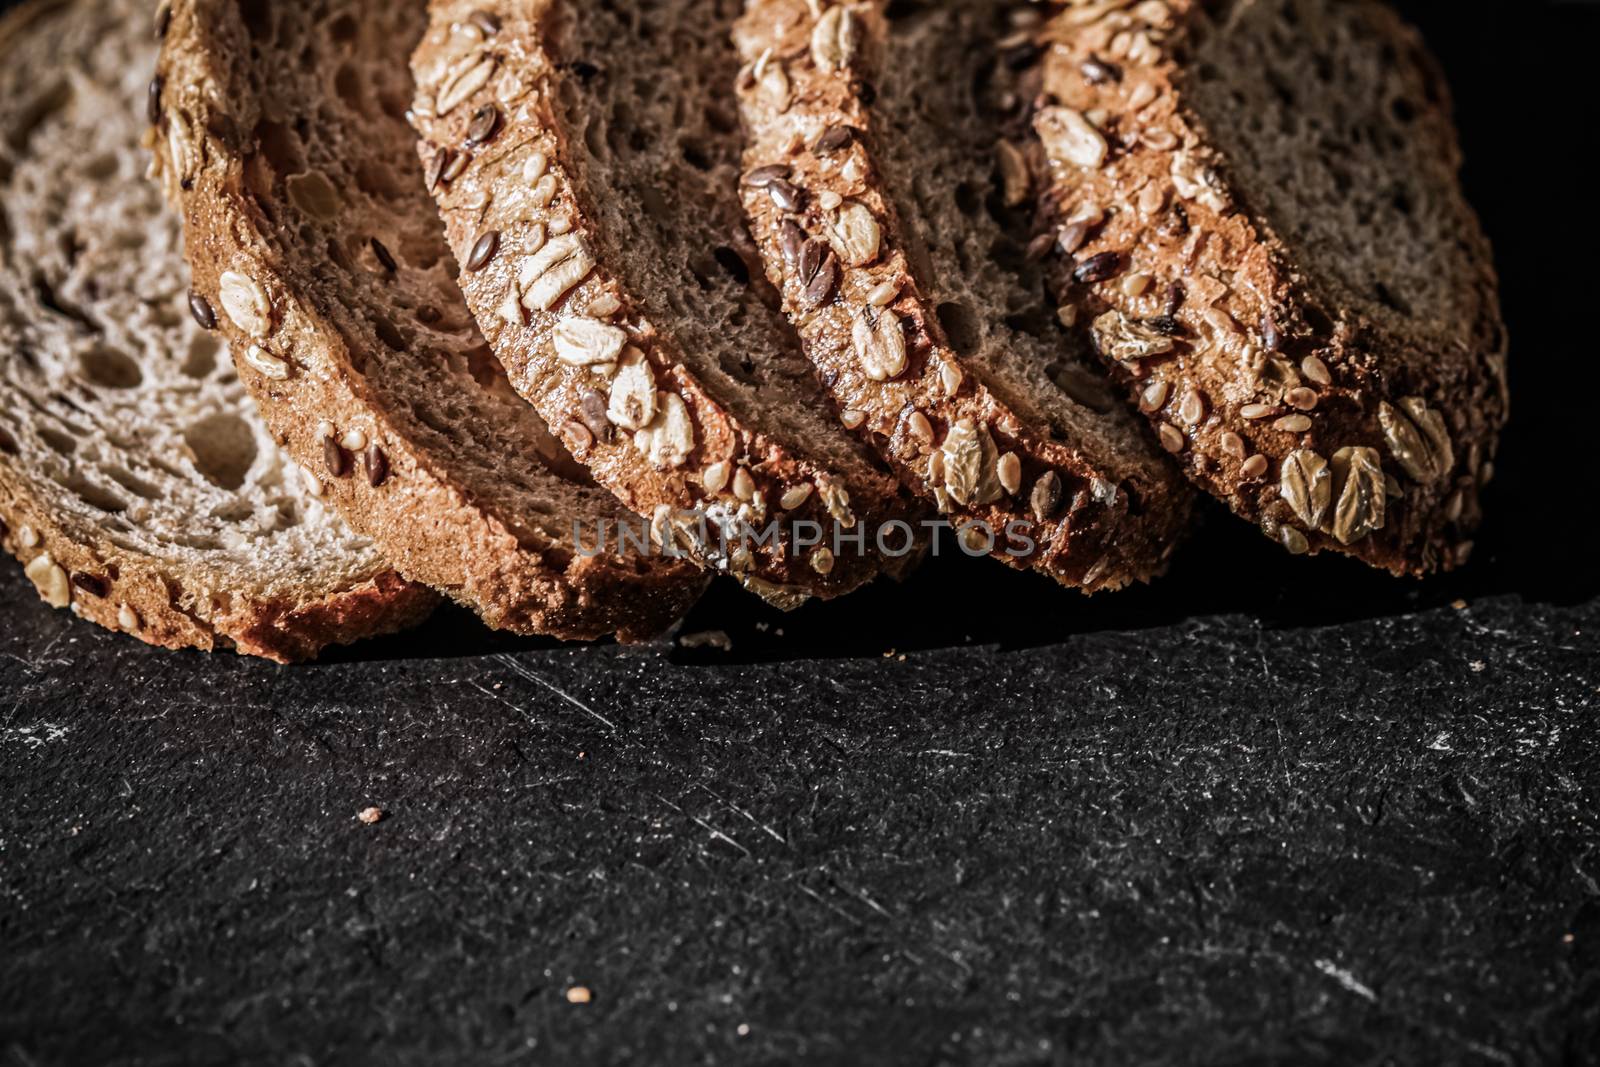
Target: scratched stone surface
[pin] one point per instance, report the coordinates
(1266, 811)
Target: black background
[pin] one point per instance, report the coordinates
(1268, 810)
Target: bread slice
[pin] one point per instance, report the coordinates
(585, 156)
(319, 252)
(1269, 243)
(137, 484)
(879, 197)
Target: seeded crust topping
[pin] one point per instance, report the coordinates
(1333, 405)
(866, 299)
(316, 254)
(609, 374)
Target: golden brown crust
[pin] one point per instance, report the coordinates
(168, 602)
(401, 486)
(1333, 425)
(875, 335)
(547, 290)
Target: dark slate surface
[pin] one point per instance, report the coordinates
(1267, 811)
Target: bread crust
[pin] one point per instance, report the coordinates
(512, 571)
(1096, 521)
(1332, 425)
(725, 465)
(162, 602)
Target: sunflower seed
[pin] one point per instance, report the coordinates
(854, 233)
(587, 342)
(762, 177)
(376, 463)
(833, 139)
(1306, 485)
(1126, 340)
(1417, 439)
(200, 308)
(880, 344)
(559, 266)
(834, 40)
(466, 78)
(792, 240)
(246, 303)
(669, 438)
(51, 581)
(785, 194)
(1358, 478)
(534, 168)
(970, 462)
(1015, 181)
(1067, 135)
(592, 413)
(1099, 268)
(335, 458)
(483, 250)
(820, 289)
(267, 364)
(632, 403)
(484, 126)
(1046, 496)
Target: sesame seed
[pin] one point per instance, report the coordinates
(795, 496)
(1171, 437)
(822, 561)
(950, 378)
(266, 363)
(127, 618)
(715, 478)
(1292, 424)
(920, 427)
(852, 419)
(1234, 445)
(883, 294)
(1009, 471)
(1254, 467)
(1193, 407)
(483, 250)
(744, 487)
(1136, 284)
(1302, 398)
(355, 440)
(1154, 396)
(1258, 411)
(1316, 370)
(1293, 540)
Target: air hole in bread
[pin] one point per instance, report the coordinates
(343, 29)
(201, 359)
(382, 183)
(389, 333)
(280, 148)
(52, 101)
(347, 83)
(960, 326)
(100, 168)
(8, 444)
(62, 443)
(133, 483)
(105, 366)
(96, 496)
(224, 449)
(257, 15)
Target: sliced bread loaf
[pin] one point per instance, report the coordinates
(319, 254)
(137, 484)
(1263, 229)
(878, 196)
(585, 156)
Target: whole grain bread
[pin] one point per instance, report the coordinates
(318, 251)
(585, 156)
(880, 199)
(137, 484)
(1261, 224)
